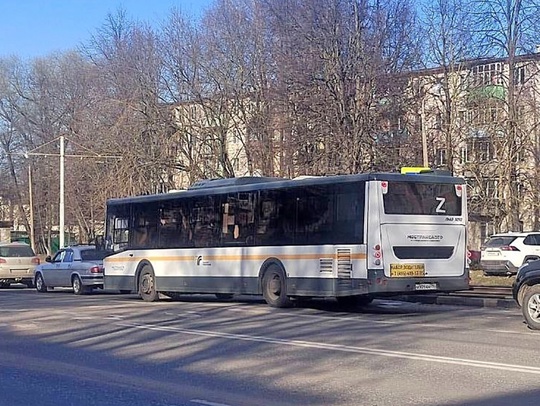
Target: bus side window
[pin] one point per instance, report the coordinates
(315, 208)
(230, 231)
(238, 219)
(141, 237)
(205, 222)
(119, 235)
(269, 229)
(174, 226)
(146, 226)
(349, 226)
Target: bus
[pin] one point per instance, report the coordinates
(350, 237)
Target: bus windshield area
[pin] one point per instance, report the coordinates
(422, 199)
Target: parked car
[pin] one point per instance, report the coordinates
(17, 264)
(526, 293)
(80, 267)
(504, 253)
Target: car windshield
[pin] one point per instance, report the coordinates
(499, 241)
(93, 254)
(16, 251)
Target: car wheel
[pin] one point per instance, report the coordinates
(40, 284)
(274, 287)
(78, 287)
(521, 294)
(531, 307)
(147, 285)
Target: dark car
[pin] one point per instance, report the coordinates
(526, 292)
(80, 267)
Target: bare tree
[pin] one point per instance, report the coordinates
(509, 28)
(337, 60)
(449, 41)
(11, 140)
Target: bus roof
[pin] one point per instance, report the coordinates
(250, 183)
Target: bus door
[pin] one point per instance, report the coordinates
(419, 228)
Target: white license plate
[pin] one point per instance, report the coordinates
(425, 286)
(493, 253)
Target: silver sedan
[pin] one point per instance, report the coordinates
(79, 267)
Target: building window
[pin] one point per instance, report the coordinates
(479, 149)
(464, 155)
(491, 189)
(519, 75)
(489, 74)
(485, 115)
(441, 157)
(484, 150)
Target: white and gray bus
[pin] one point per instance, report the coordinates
(351, 237)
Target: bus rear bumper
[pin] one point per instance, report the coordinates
(380, 285)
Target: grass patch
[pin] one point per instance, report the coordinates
(478, 278)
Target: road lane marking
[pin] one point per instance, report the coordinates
(341, 348)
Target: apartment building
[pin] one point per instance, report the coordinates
(480, 120)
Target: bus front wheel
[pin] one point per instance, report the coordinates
(274, 287)
(147, 285)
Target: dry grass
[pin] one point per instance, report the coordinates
(478, 278)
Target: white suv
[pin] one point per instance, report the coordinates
(504, 253)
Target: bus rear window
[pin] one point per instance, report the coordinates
(421, 198)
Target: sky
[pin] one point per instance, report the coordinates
(37, 28)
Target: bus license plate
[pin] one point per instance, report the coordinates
(406, 270)
(426, 286)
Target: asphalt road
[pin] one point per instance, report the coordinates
(107, 349)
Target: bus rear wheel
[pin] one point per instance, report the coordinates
(274, 287)
(147, 286)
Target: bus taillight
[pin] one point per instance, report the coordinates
(377, 254)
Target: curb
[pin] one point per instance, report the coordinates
(461, 301)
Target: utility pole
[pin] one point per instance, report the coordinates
(424, 134)
(62, 204)
(31, 198)
(62, 155)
